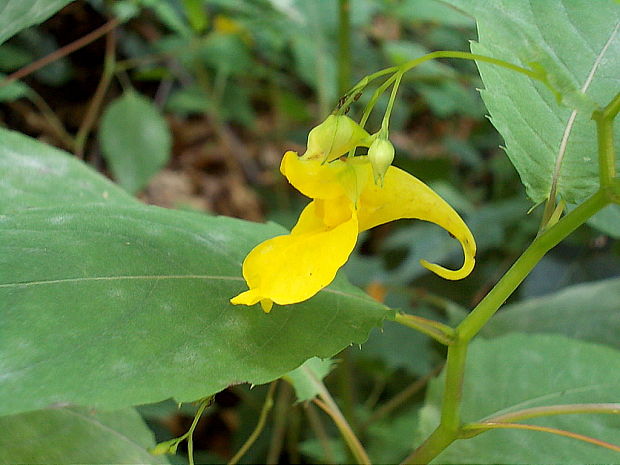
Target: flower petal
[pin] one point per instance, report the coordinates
(404, 196)
(292, 268)
(319, 180)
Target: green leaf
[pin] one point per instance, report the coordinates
(586, 311)
(578, 37)
(13, 57)
(33, 175)
(16, 15)
(196, 15)
(398, 347)
(304, 378)
(40, 44)
(607, 220)
(315, 449)
(390, 440)
(189, 100)
(108, 306)
(168, 14)
(72, 435)
(436, 12)
(227, 53)
(313, 48)
(13, 91)
(521, 371)
(135, 140)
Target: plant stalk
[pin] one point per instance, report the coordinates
(97, 100)
(449, 428)
(605, 134)
(61, 52)
(476, 428)
(260, 425)
(443, 334)
(487, 307)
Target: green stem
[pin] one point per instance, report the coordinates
(61, 52)
(403, 396)
(190, 433)
(97, 100)
(262, 419)
(388, 112)
(351, 96)
(344, 46)
(605, 134)
(355, 446)
(53, 120)
(549, 410)
(329, 406)
(431, 447)
(375, 96)
(170, 446)
(487, 307)
(281, 410)
(470, 56)
(320, 432)
(449, 427)
(356, 90)
(455, 370)
(346, 386)
(474, 429)
(450, 424)
(293, 436)
(438, 331)
(613, 108)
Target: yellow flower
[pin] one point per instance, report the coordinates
(292, 268)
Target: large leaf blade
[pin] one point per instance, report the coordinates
(37, 175)
(578, 44)
(108, 303)
(71, 435)
(110, 306)
(520, 371)
(16, 15)
(587, 311)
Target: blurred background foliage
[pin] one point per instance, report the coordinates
(191, 103)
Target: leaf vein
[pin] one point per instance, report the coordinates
(570, 124)
(117, 278)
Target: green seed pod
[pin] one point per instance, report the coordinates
(381, 155)
(334, 137)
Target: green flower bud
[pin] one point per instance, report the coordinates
(334, 137)
(381, 155)
(166, 447)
